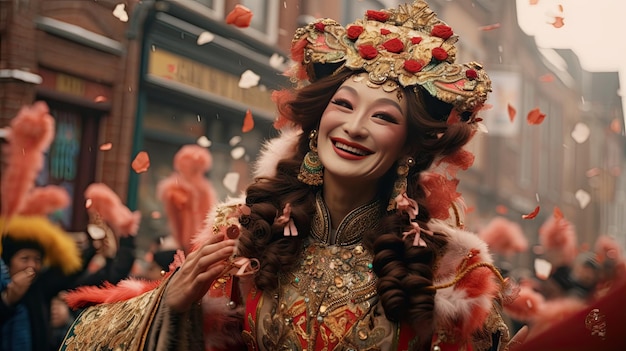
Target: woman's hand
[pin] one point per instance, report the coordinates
(200, 269)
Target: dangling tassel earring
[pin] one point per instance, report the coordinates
(311, 170)
(399, 186)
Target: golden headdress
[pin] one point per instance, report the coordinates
(408, 45)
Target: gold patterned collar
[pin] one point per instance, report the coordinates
(351, 228)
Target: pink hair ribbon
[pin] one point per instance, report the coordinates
(286, 221)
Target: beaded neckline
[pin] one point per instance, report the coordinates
(350, 230)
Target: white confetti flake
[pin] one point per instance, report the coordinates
(120, 13)
(583, 198)
(234, 140)
(276, 61)
(542, 268)
(230, 181)
(249, 79)
(237, 152)
(204, 141)
(580, 133)
(205, 38)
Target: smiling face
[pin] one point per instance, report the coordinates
(362, 132)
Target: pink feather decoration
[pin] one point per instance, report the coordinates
(504, 237)
(31, 133)
(440, 193)
(92, 295)
(558, 238)
(187, 194)
(42, 201)
(108, 205)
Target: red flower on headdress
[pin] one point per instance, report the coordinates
(440, 54)
(416, 40)
(413, 66)
(353, 32)
(367, 52)
(471, 74)
(319, 26)
(394, 45)
(380, 16)
(384, 31)
(442, 31)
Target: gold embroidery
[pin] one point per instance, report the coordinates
(123, 324)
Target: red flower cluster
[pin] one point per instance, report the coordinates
(394, 45)
(353, 32)
(319, 26)
(379, 16)
(384, 31)
(413, 66)
(442, 31)
(439, 54)
(368, 52)
(471, 74)
(416, 40)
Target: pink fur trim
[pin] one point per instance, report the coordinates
(30, 134)
(207, 229)
(440, 193)
(274, 150)
(558, 238)
(109, 206)
(108, 293)
(466, 305)
(504, 237)
(42, 201)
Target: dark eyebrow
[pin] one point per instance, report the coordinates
(387, 100)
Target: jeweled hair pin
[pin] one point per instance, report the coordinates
(408, 44)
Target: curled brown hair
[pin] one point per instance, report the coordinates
(405, 272)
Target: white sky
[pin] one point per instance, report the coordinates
(594, 29)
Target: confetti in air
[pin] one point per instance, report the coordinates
(489, 27)
(204, 141)
(583, 198)
(542, 268)
(106, 147)
(581, 133)
(533, 214)
(248, 122)
(205, 38)
(120, 13)
(234, 140)
(535, 117)
(230, 181)
(512, 112)
(249, 79)
(276, 61)
(141, 163)
(237, 152)
(240, 16)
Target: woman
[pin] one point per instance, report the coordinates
(336, 245)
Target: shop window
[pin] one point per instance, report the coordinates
(61, 162)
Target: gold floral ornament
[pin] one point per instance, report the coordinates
(408, 44)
